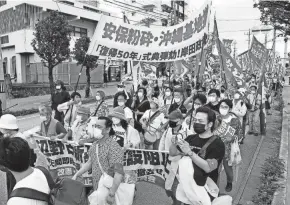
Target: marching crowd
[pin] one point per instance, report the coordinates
(200, 125)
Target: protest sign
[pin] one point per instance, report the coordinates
(65, 159)
(119, 40)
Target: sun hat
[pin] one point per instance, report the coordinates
(118, 112)
(84, 110)
(8, 122)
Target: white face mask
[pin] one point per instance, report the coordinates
(253, 92)
(79, 118)
(98, 97)
(236, 96)
(222, 95)
(58, 87)
(211, 99)
(116, 120)
(167, 93)
(196, 106)
(177, 100)
(224, 111)
(120, 89)
(43, 118)
(140, 95)
(98, 133)
(121, 103)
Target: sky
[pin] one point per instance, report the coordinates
(235, 18)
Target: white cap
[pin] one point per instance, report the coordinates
(9, 122)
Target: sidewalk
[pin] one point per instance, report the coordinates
(35, 101)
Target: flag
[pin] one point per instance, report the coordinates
(228, 45)
(233, 71)
(258, 52)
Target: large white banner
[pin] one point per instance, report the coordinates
(118, 40)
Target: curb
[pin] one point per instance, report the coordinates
(280, 195)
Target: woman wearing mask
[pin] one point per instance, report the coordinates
(178, 102)
(125, 134)
(122, 89)
(229, 129)
(121, 99)
(151, 121)
(140, 105)
(101, 108)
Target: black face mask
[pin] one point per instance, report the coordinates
(199, 128)
(172, 124)
(222, 91)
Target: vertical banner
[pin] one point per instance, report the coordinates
(258, 52)
(228, 45)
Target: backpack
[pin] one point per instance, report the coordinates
(62, 192)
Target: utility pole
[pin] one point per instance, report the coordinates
(235, 49)
(249, 38)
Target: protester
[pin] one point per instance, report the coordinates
(223, 93)
(78, 132)
(228, 131)
(213, 100)
(199, 100)
(152, 121)
(70, 109)
(140, 105)
(15, 156)
(255, 102)
(175, 128)
(205, 164)
(59, 97)
(50, 127)
(107, 153)
(126, 135)
(122, 89)
(178, 102)
(122, 99)
(268, 102)
(101, 108)
(167, 98)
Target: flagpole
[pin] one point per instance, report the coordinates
(199, 64)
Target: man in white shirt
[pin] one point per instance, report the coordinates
(15, 156)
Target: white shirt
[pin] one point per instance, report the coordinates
(128, 113)
(156, 123)
(36, 180)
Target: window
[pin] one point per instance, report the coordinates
(79, 32)
(92, 9)
(149, 8)
(13, 67)
(68, 3)
(5, 66)
(4, 39)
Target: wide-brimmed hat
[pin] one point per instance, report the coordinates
(8, 122)
(118, 112)
(84, 110)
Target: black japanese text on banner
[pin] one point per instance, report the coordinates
(118, 40)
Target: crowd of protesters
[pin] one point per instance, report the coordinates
(201, 123)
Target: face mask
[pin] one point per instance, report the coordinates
(43, 118)
(172, 124)
(121, 103)
(253, 92)
(140, 95)
(79, 118)
(236, 96)
(211, 99)
(199, 128)
(98, 133)
(196, 106)
(98, 98)
(116, 120)
(224, 111)
(177, 100)
(222, 91)
(120, 89)
(167, 93)
(222, 95)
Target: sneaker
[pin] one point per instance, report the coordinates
(229, 187)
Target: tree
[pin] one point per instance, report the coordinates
(276, 13)
(51, 42)
(88, 61)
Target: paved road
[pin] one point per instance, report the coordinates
(148, 194)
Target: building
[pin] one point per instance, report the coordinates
(17, 21)
(149, 12)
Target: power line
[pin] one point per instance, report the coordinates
(238, 19)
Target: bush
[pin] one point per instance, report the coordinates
(271, 175)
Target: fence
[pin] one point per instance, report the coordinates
(66, 72)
